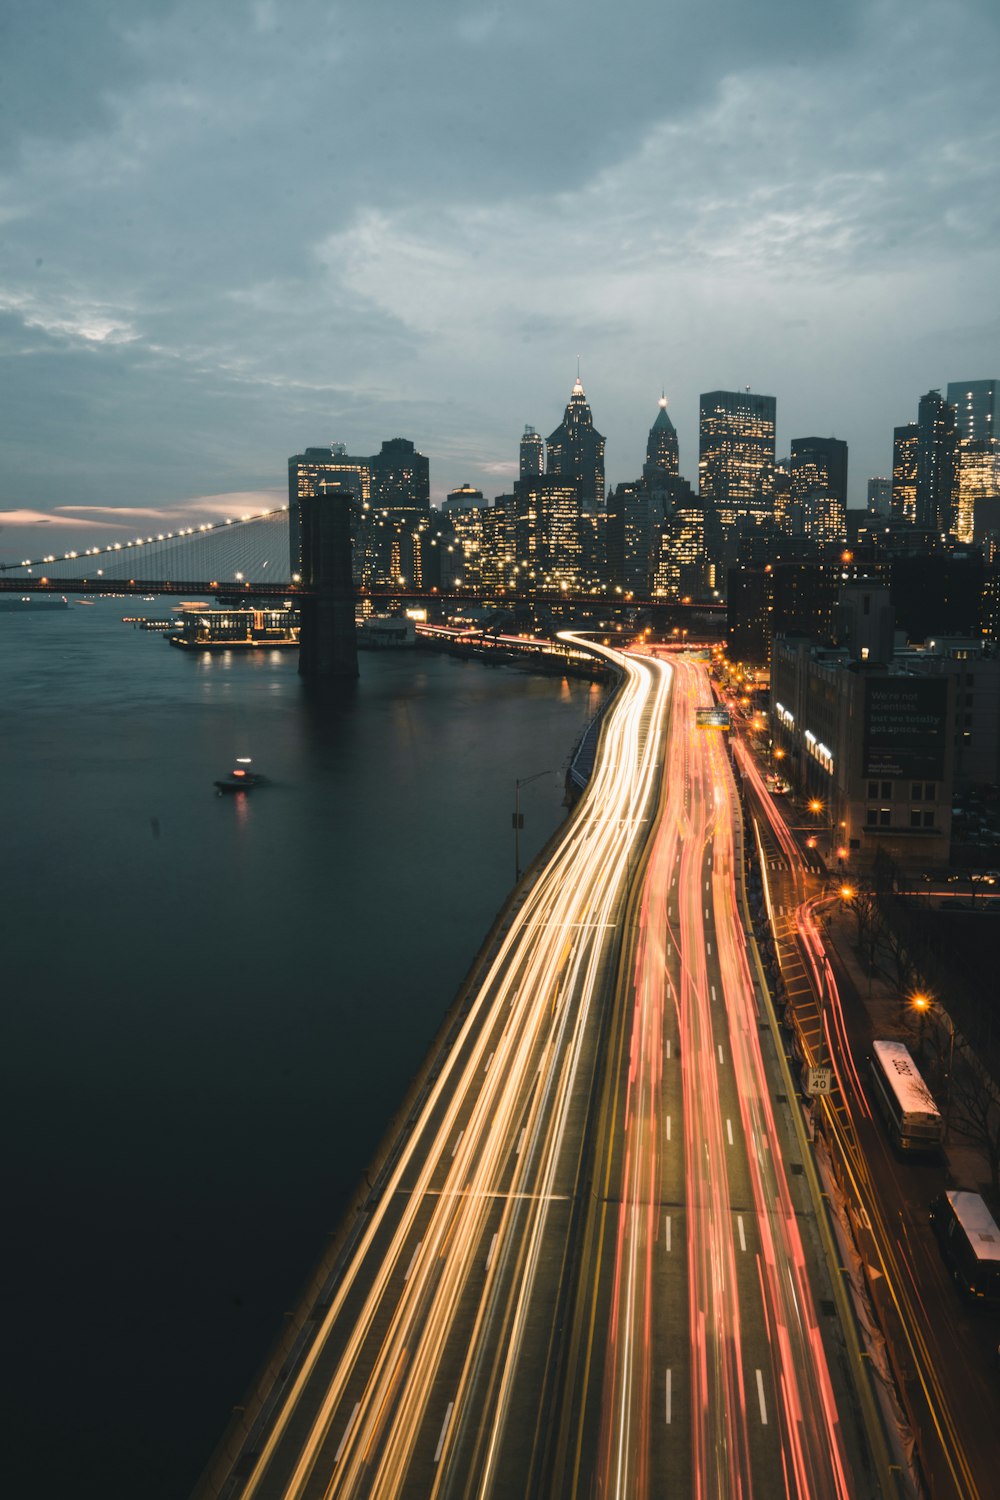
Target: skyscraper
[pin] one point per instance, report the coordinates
(335, 468)
(576, 451)
(978, 453)
(819, 484)
(532, 453)
(904, 472)
(548, 532)
(736, 456)
(661, 446)
(936, 455)
(975, 403)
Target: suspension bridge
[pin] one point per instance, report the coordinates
(247, 559)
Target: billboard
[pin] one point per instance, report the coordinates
(906, 723)
(712, 718)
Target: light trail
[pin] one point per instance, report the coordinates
(788, 1440)
(444, 1283)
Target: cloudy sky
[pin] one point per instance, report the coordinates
(230, 231)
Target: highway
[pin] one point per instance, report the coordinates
(428, 1373)
(590, 1269)
(697, 1359)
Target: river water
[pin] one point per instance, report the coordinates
(212, 1005)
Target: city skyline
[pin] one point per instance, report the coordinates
(221, 248)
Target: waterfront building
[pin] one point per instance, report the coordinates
(532, 455)
(936, 456)
(736, 457)
(904, 472)
(331, 466)
(819, 485)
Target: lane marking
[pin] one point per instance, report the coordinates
(413, 1261)
(669, 1395)
(520, 1140)
(708, 947)
(739, 1226)
(668, 1046)
(713, 992)
(706, 913)
(666, 1230)
(760, 1396)
(444, 1429)
(458, 1142)
(721, 1058)
(347, 1432)
(729, 1131)
(668, 1127)
(492, 1250)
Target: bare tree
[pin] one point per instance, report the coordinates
(863, 904)
(974, 1112)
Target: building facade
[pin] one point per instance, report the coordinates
(819, 485)
(736, 456)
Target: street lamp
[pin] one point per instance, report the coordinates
(517, 820)
(923, 1004)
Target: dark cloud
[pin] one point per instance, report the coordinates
(233, 230)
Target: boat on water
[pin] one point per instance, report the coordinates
(240, 778)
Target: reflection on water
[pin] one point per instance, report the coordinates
(215, 1003)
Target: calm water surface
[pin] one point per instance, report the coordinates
(213, 1005)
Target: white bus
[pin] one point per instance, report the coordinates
(913, 1118)
(970, 1243)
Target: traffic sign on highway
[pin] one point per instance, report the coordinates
(819, 1081)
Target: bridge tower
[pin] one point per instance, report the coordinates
(328, 645)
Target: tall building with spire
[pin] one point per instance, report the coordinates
(662, 451)
(576, 451)
(532, 454)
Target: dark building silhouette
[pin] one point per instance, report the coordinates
(938, 595)
(576, 451)
(904, 472)
(327, 631)
(936, 455)
(532, 457)
(819, 486)
(400, 477)
(630, 533)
